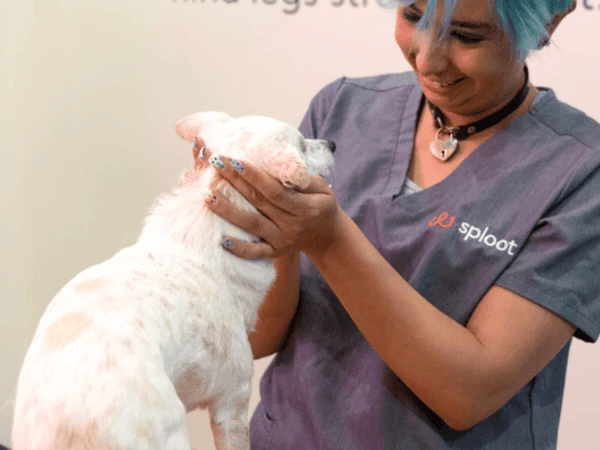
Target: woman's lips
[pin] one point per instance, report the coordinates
(441, 85)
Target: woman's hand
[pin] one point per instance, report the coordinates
(289, 220)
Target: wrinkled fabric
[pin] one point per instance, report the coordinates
(520, 212)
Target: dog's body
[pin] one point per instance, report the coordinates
(130, 345)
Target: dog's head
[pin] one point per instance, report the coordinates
(266, 143)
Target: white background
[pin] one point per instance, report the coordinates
(89, 95)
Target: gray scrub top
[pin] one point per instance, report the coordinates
(521, 212)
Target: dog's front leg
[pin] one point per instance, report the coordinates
(229, 418)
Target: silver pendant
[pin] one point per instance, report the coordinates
(445, 144)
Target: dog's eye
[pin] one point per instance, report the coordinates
(303, 146)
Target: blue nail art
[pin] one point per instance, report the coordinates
(227, 243)
(237, 165)
(217, 161)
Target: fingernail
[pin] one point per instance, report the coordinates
(210, 198)
(217, 161)
(237, 165)
(227, 243)
(196, 145)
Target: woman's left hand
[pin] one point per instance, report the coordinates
(289, 220)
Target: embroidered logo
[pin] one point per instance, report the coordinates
(442, 220)
(471, 232)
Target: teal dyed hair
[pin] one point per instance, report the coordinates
(523, 21)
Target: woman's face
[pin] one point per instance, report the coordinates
(471, 71)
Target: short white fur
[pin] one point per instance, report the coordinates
(130, 345)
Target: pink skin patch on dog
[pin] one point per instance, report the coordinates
(91, 285)
(77, 438)
(108, 364)
(66, 330)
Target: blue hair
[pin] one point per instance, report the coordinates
(523, 21)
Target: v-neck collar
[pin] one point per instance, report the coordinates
(506, 138)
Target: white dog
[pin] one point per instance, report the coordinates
(130, 345)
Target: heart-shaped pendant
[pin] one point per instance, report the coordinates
(444, 146)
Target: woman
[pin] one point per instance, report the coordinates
(451, 262)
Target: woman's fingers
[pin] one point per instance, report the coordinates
(288, 220)
(248, 250)
(318, 185)
(258, 187)
(251, 222)
(199, 150)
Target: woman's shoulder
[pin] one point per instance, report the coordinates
(355, 92)
(376, 83)
(347, 96)
(383, 82)
(566, 121)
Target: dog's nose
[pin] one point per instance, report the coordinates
(331, 146)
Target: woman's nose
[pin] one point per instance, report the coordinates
(430, 54)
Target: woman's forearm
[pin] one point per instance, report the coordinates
(278, 308)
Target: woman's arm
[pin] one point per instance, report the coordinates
(279, 305)
(463, 374)
(278, 308)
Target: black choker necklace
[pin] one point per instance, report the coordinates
(446, 139)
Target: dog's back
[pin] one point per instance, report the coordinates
(132, 344)
(118, 347)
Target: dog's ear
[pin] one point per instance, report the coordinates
(191, 126)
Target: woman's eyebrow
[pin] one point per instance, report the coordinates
(480, 26)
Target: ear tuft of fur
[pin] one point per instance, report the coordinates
(191, 126)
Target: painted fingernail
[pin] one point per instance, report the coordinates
(237, 165)
(227, 243)
(196, 145)
(217, 161)
(210, 198)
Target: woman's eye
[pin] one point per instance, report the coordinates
(410, 17)
(462, 37)
(465, 38)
